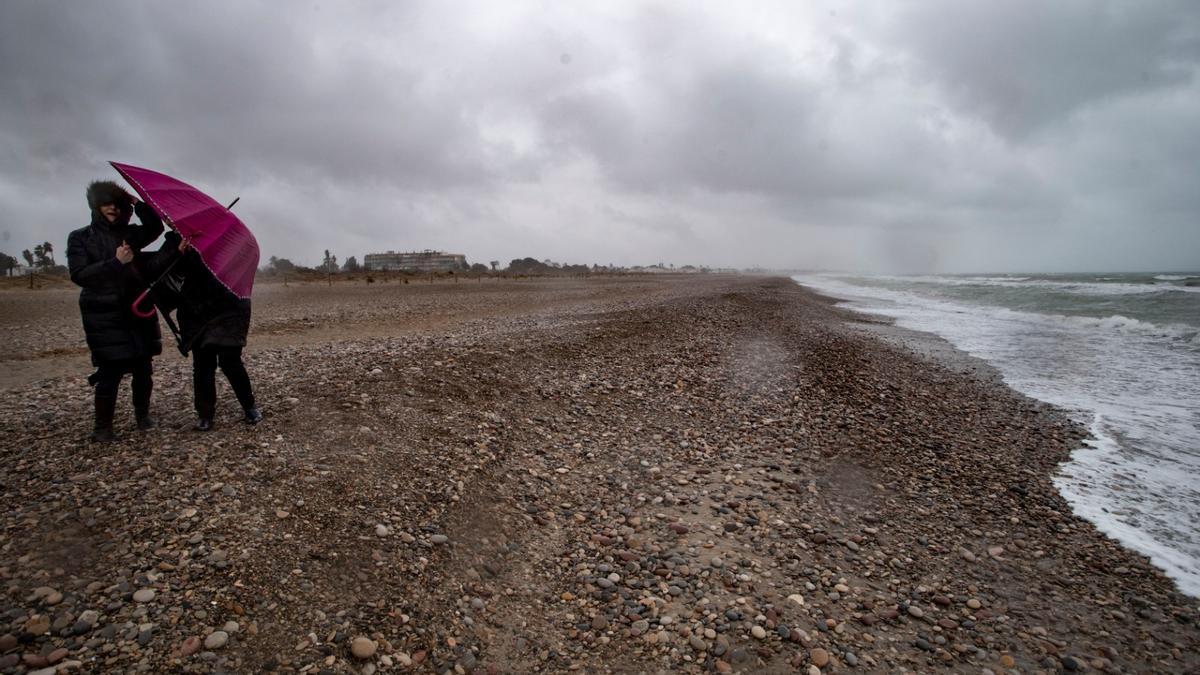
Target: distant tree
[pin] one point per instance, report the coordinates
(48, 249)
(7, 263)
(28, 257)
(495, 265)
(330, 262)
(479, 268)
(41, 259)
(351, 265)
(528, 266)
(282, 265)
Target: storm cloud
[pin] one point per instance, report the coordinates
(906, 136)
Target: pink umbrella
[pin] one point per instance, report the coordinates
(227, 248)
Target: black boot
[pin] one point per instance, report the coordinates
(203, 424)
(106, 406)
(253, 416)
(142, 386)
(145, 420)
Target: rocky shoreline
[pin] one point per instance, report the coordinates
(696, 474)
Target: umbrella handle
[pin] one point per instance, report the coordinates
(138, 312)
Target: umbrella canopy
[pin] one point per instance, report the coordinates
(225, 245)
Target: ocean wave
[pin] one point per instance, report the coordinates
(1115, 322)
(1129, 325)
(1118, 323)
(1100, 286)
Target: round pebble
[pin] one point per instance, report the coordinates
(216, 639)
(190, 646)
(363, 648)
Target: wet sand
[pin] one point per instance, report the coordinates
(693, 473)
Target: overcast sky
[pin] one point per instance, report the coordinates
(941, 135)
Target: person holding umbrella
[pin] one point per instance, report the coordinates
(213, 324)
(206, 270)
(104, 259)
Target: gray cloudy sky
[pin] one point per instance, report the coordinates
(940, 135)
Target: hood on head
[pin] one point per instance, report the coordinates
(107, 192)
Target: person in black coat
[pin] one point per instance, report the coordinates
(213, 324)
(104, 259)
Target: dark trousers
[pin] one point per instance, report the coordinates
(205, 361)
(108, 381)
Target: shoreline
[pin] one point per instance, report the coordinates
(708, 475)
(933, 345)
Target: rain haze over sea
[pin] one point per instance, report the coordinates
(1119, 352)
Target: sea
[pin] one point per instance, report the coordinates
(1118, 352)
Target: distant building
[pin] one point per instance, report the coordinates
(415, 261)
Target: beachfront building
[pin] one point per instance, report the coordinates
(416, 261)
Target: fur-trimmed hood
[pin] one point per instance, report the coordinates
(107, 192)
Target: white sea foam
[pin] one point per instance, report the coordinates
(1136, 383)
(1144, 522)
(915, 302)
(1092, 288)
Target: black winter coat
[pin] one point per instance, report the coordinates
(113, 332)
(209, 314)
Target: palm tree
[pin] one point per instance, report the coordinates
(48, 248)
(28, 257)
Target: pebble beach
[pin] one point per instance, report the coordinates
(685, 473)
